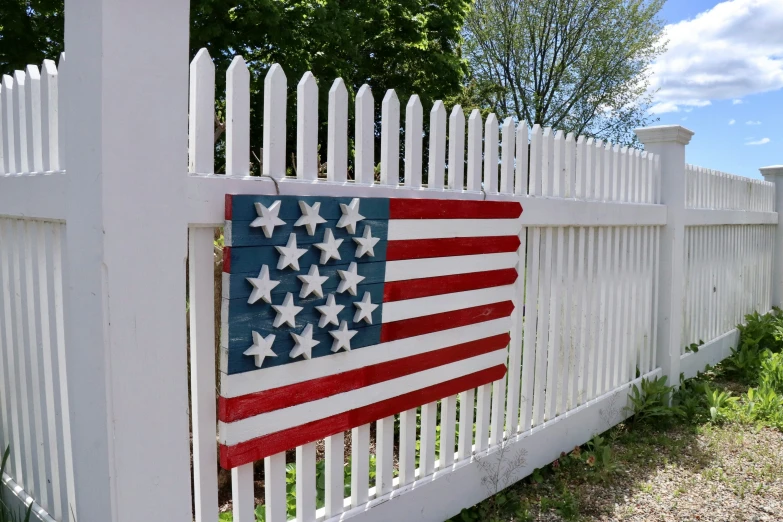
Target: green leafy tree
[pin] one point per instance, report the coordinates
(578, 65)
(412, 46)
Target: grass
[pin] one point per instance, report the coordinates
(714, 453)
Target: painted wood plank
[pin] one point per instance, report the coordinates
(407, 447)
(536, 162)
(275, 103)
(515, 343)
(598, 169)
(3, 163)
(456, 175)
(498, 417)
(547, 162)
(305, 482)
(597, 334)
(390, 139)
(559, 185)
(491, 154)
(411, 308)
(542, 342)
(554, 363)
(201, 116)
(521, 179)
(435, 322)
(449, 247)
(466, 416)
(237, 118)
(569, 358)
(9, 363)
(483, 408)
(22, 123)
(334, 480)
(448, 418)
(337, 140)
(437, 150)
(50, 138)
(360, 464)
(475, 139)
(307, 127)
(531, 318)
(364, 163)
(275, 488)
(414, 121)
(581, 165)
(416, 288)
(401, 208)
(384, 455)
(243, 499)
(34, 118)
(507, 158)
(5, 406)
(418, 268)
(10, 158)
(437, 228)
(202, 372)
(570, 166)
(429, 413)
(578, 393)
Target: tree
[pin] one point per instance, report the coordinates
(411, 46)
(577, 65)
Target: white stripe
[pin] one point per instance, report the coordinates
(443, 228)
(278, 420)
(442, 266)
(258, 380)
(423, 306)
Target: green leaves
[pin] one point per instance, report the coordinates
(650, 402)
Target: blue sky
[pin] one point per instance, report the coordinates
(724, 64)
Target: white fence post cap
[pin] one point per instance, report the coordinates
(664, 134)
(771, 171)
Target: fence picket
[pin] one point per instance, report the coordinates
(491, 154)
(33, 117)
(474, 151)
(530, 318)
(483, 406)
(521, 180)
(360, 465)
(237, 118)
(448, 418)
(507, 159)
(337, 141)
(384, 455)
(9, 125)
(274, 488)
(307, 128)
(456, 149)
(305, 483)
(466, 416)
(364, 163)
(547, 163)
(437, 150)
(275, 102)
(390, 139)
(413, 142)
(408, 446)
(429, 413)
(201, 114)
(334, 480)
(559, 165)
(50, 142)
(542, 342)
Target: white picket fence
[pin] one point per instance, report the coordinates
(627, 257)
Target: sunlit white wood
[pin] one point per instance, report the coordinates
(243, 499)
(491, 154)
(559, 186)
(448, 417)
(474, 151)
(22, 141)
(429, 413)
(237, 118)
(542, 341)
(305, 483)
(580, 303)
(581, 166)
(515, 343)
(334, 480)
(384, 455)
(530, 318)
(554, 362)
(307, 127)
(570, 166)
(521, 180)
(390, 139)
(275, 103)
(437, 150)
(413, 146)
(50, 136)
(456, 149)
(547, 162)
(364, 141)
(360, 465)
(201, 269)
(569, 358)
(589, 168)
(483, 405)
(337, 146)
(201, 116)
(408, 446)
(507, 157)
(10, 159)
(275, 500)
(498, 412)
(598, 170)
(34, 119)
(466, 413)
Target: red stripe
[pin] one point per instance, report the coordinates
(452, 246)
(429, 286)
(229, 207)
(444, 321)
(227, 259)
(452, 209)
(237, 408)
(258, 448)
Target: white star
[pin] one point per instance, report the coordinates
(310, 218)
(365, 308)
(312, 282)
(350, 278)
(329, 312)
(365, 244)
(262, 348)
(329, 247)
(262, 286)
(304, 343)
(350, 216)
(267, 218)
(286, 312)
(289, 254)
(342, 337)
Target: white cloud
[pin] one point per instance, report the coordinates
(736, 101)
(725, 53)
(751, 122)
(732, 122)
(762, 141)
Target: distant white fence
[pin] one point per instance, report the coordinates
(627, 257)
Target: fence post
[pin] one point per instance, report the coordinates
(125, 106)
(668, 143)
(774, 174)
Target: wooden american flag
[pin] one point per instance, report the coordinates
(340, 311)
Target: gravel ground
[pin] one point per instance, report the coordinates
(705, 473)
